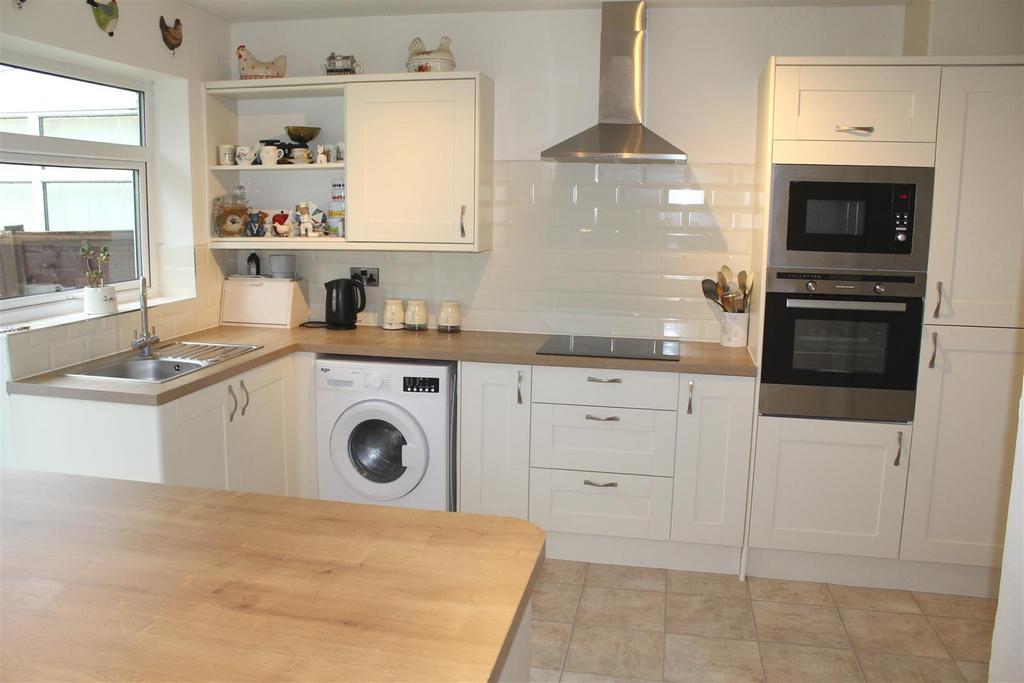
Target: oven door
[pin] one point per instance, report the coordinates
(840, 357)
(863, 217)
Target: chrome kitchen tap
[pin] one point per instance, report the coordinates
(144, 343)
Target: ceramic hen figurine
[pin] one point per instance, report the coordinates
(105, 15)
(172, 35)
(249, 67)
(422, 59)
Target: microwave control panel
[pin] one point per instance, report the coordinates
(902, 214)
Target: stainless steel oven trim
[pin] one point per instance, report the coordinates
(782, 174)
(884, 405)
(893, 306)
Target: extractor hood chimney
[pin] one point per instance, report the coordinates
(620, 135)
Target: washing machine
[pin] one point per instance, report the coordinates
(385, 432)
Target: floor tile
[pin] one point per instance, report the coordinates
(555, 602)
(702, 583)
(901, 634)
(622, 609)
(966, 639)
(958, 606)
(580, 677)
(629, 578)
(792, 663)
(690, 659)
(563, 571)
(548, 642)
(887, 668)
(799, 625)
(974, 672)
(701, 615)
(794, 592)
(544, 675)
(616, 652)
(880, 599)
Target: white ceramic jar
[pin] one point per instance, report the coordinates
(449, 317)
(393, 317)
(416, 315)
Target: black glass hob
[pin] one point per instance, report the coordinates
(610, 347)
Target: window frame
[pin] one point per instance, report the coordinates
(17, 148)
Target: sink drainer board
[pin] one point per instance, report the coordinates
(202, 352)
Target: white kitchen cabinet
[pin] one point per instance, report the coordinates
(828, 486)
(199, 425)
(856, 103)
(596, 387)
(977, 242)
(715, 418)
(413, 161)
(601, 503)
(965, 423)
(494, 443)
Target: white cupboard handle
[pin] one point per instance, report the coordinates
(234, 404)
(938, 302)
(935, 349)
(462, 222)
(689, 401)
(245, 390)
(610, 380)
(519, 389)
(855, 129)
(611, 484)
(899, 449)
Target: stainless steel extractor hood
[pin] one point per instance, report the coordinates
(620, 135)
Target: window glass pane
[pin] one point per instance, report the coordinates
(62, 107)
(49, 212)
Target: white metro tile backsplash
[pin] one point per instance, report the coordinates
(584, 248)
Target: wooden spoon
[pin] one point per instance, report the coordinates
(727, 272)
(710, 290)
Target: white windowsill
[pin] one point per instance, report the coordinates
(79, 316)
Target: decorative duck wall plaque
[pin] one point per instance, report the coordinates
(422, 59)
(105, 15)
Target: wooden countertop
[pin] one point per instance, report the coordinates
(104, 579)
(707, 358)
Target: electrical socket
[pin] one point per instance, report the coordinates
(369, 276)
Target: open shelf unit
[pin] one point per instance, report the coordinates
(281, 167)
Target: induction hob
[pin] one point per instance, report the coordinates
(610, 347)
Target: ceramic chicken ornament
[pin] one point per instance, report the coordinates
(172, 35)
(19, 3)
(422, 59)
(249, 67)
(105, 15)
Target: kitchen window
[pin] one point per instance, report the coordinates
(73, 170)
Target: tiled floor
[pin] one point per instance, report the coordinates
(596, 623)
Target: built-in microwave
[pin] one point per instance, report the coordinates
(850, 217)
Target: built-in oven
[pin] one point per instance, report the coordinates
(859, 217)
(845, 347)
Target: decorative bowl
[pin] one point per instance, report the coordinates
(302, 134)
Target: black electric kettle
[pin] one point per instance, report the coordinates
(342, 306)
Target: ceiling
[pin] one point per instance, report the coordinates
(275, 10)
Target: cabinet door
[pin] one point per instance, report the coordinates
(977, 242)
(494, 444)
(856, 103)
(258, 443)
(202, 422)
(709, 502)
(830, 487)
(411, 161)
(966, 422)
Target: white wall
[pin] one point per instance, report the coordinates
(702, 75)
(964, 27)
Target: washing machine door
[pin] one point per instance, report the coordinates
(379, 450)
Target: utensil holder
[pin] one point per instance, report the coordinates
(734, 329)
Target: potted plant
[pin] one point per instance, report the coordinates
(100, 299)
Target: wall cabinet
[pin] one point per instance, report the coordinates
(494, 443)
(977, 244)
(965, 422)
(830, 487)
(712, 454)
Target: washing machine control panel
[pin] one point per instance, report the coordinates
(421, 385)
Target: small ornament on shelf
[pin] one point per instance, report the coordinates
(341, 65)
(251, 68)
(422, 59)
(283, 223)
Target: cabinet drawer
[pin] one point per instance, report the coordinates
(592, 387)
(625, 440)
(603, 504)
(856, 103)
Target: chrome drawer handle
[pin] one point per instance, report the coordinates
(899, 449)
(610, 380)
(609, 485)
(462, 222)
(595, 418)
(689, 401)
(855, 129)
(519, 389)
(234, 403)
(245, 390)
(938, 302)
(935, 349)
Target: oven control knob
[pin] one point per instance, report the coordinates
(811, 285)
(901, 237)
(375, 382)
(879, 288)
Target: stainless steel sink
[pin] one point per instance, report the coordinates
(167, 362)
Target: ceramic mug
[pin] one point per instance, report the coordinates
(301, 155)
(449, 317)
(394, 316)
(270, 155)
(226, 155)
(244, 155)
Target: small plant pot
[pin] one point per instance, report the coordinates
(100, 300)
(734, 329)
